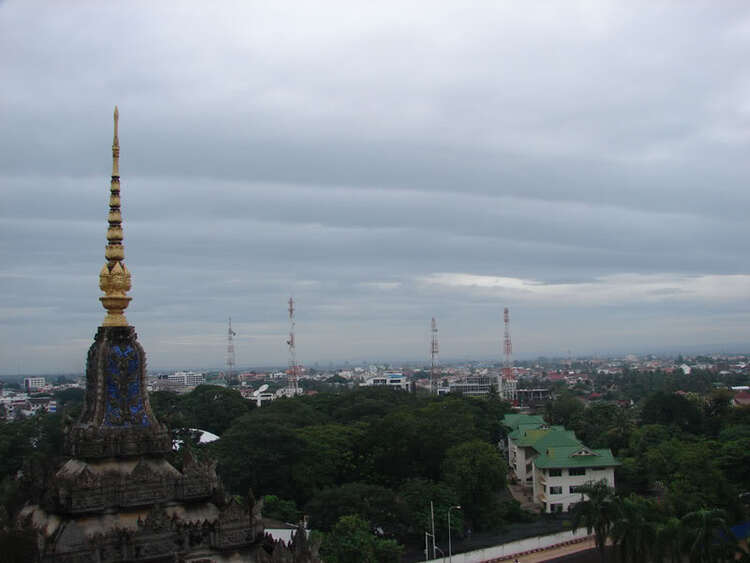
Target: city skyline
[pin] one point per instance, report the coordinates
(584, 165)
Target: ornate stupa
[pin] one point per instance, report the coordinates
(118, 498)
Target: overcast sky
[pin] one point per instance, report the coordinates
(586, 164)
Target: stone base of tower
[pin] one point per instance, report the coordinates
(119, 499)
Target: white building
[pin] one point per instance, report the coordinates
(509, 388)
(553, 463)
(32, 384)
(560, 472)
(396, 380)
(187, 378)
(478, 385)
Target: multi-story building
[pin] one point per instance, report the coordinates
(34, 383)
(560, 472)
(477, 385)
(388, 379)
(552, 462)
(187, 378)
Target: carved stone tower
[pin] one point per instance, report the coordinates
(118, 498)
(117, 419)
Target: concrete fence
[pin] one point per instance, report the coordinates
(508, 551)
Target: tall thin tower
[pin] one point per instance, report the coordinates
(434, 349)
(293, 381)
(230, 352)
(508, 380)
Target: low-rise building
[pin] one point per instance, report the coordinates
(474, 385)
(187, 378)
(560, 471)
(395, 380)
(552, 462)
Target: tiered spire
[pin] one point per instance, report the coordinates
(114, 278)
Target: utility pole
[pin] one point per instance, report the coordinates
(432, 519)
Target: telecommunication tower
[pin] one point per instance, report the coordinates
(434, 354)
(508, 380)
(230, 352)
(293, 381)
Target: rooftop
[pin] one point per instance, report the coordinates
(575, 456)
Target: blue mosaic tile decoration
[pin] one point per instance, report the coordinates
(124, 401)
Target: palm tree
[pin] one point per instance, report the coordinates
(596, 513)
(669, 541)
(709, 538)
(633, 532)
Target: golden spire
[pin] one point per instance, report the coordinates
(114, 278)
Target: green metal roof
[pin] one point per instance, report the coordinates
(531, 436)
(547, 436)
(557, 438)
(521, 430)
(574, 456)
(513, 421)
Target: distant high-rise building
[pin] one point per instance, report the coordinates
(31, 384)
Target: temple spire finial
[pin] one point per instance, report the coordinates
(114, 278)
(116, 148)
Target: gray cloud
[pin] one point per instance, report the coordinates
(346, 153)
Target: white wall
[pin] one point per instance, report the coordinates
(566, 481)
(513, 548)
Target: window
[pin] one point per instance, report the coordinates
(574, 488)
(555, 472)
(555, 490)
(556, 507)
(576, 471)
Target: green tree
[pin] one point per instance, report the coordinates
(672, 409)
(633, 531)
(214, 408)
(669, 541)
(280, 509)
(566, 410)
(378, 505)
(332, 455)
(734, 461)
(417, 494)
(352, 541)
(596, 513)
(709, 538)
(477, 473)
(254, 454)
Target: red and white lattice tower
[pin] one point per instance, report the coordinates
(230, 353)
(509, 383)
(434, 349)
(293, 381)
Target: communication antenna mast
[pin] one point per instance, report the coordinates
(434, 353)
(230, 352)
(293, 382)
(509, 380)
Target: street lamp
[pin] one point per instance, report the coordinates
(450, 547)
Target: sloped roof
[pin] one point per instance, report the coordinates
(513, 421)
(522, 429)
(556, 438)
(575, 456)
